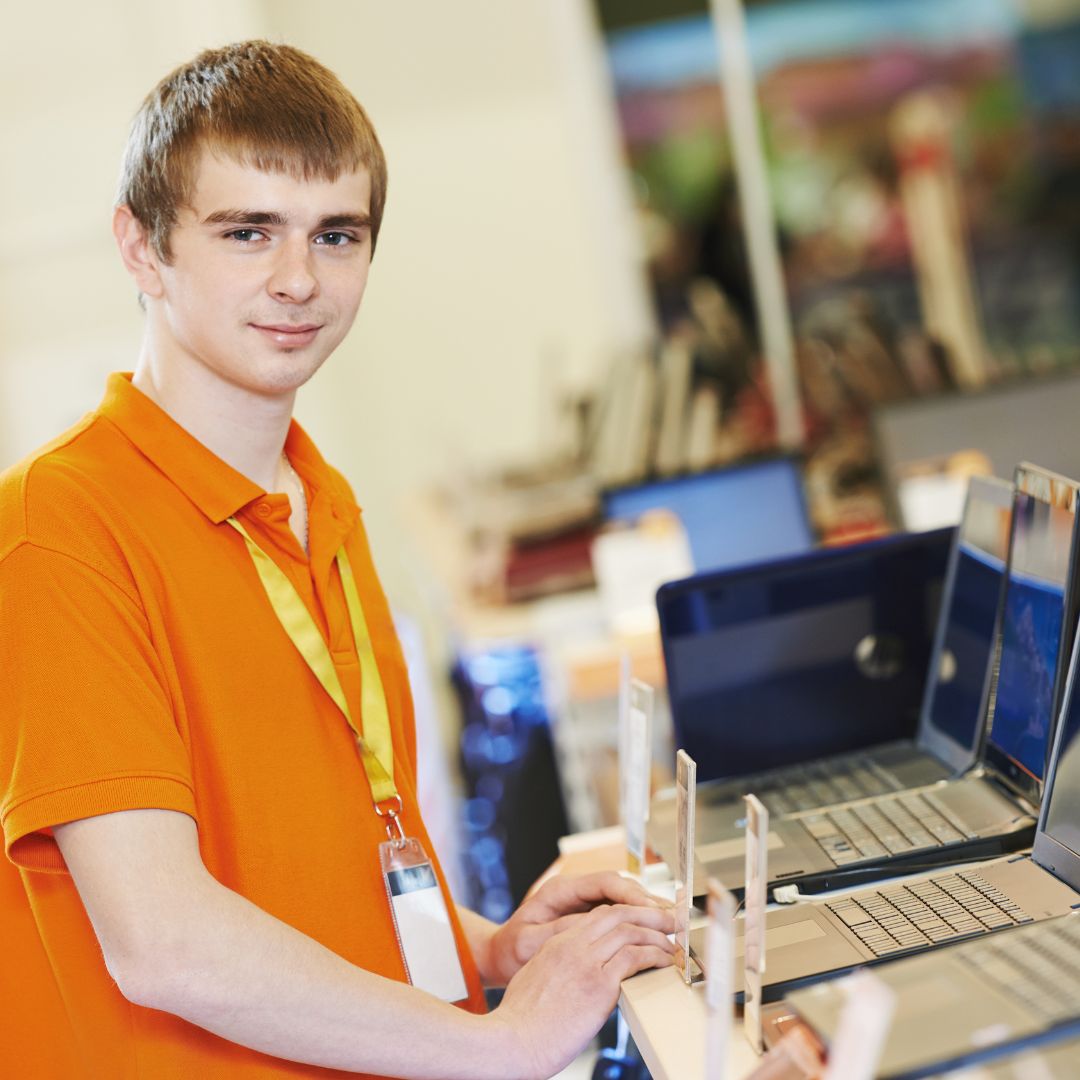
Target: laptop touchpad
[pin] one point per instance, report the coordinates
(730, 849)
(779, 936)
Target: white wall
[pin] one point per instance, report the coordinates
(71, 76)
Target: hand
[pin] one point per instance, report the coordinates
(557, 906)
(559, 1000)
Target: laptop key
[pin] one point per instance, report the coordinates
(853, 915)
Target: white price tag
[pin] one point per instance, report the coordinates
(863, 1027)
(757, 877)
(635, 769)
(719, 964)
(685, 806)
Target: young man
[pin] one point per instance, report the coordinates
(193, 805)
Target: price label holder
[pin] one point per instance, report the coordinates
(719, 965)
(863, 1028)
(757, 876)
(685, 807)
(635, 767)
(421, 920)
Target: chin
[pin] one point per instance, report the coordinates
(283, 376)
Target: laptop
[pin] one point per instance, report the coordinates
(958, 1003)
(953, 704)
(1017, 983)
(733, 516)
(989, 811)
(918, 914)
(782, 662)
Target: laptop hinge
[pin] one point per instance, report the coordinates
(1018, 858)
(1075, 907)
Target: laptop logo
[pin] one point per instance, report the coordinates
(880, 656)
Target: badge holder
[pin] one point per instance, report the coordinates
(421, 920)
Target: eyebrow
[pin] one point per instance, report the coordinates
(272, 217)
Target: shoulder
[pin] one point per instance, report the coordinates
(62, 497)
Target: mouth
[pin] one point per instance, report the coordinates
(288, 334)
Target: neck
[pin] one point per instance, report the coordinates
(245, 429)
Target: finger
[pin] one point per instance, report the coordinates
(572, 894)
(626, 935)
(610, 888)
(559, 926)
(602, 920)
(534, 935)
(631, 959)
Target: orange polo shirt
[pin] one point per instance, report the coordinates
(143, 667)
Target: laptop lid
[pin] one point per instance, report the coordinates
(1057, 840)
(1037, 624)
(734, 516)
(790, 661)
(958, 681)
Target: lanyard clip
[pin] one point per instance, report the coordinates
(392, 813)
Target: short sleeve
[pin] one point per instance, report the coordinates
(86, 725)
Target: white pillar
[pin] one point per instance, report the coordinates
(766, 272)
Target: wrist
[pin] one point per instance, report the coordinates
(509, 1047)
(481, 934)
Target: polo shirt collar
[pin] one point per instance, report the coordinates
(213, 485)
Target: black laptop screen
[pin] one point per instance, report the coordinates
(1031, 633)
(802, 659)
(968, 636)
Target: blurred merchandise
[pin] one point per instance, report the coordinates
(632, 562)
(513, 811)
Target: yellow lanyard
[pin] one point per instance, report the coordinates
(375, 741)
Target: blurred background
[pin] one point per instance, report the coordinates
(601, 290)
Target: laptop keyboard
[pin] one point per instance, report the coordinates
(944, 908)
(887, 827)
(1039, 969)
(805, 787)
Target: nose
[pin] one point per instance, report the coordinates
(293, 279)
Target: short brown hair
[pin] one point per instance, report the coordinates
(270, 106)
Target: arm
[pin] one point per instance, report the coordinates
(175, 939)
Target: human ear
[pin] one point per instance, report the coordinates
(136, 251)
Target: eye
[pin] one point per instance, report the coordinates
(245, 236)
(334, 239)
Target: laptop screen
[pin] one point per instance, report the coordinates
(734, 516)
(1032, 621)
(954, 703)
(786, 662)
(1061, 818)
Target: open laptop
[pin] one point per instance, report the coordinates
(917, 914)
(989, 811)
(956, 1003)
(1014, 984)
(783, 662)
(954, 700)
(733, 516)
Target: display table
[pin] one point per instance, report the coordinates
(667, 1021)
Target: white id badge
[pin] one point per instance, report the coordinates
(421, 920)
